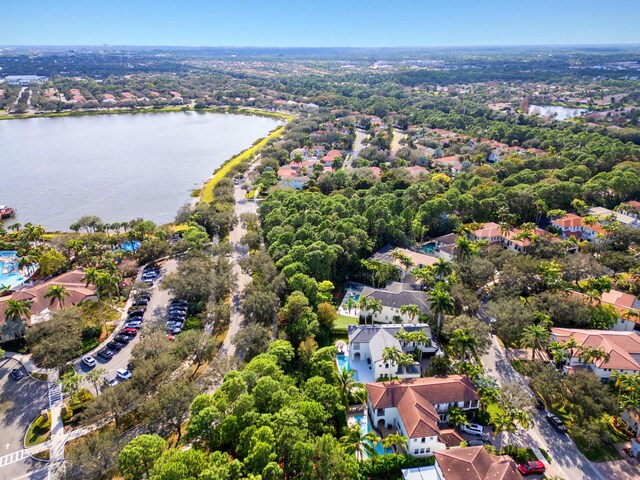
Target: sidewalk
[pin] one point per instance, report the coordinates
(30, 367)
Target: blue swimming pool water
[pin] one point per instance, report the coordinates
(428, 248)
(365, 426)
(343, 363)
(130, 246)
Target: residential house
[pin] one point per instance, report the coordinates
(489, 232)
(451, 161)
(367, 344)
(41, 306)
(472, 463)
(603, 215)
(494, 156)
(627, 306)
(572, 225)
(392, 297)
(445, 246)
(632, 209)
(623, 349)
(416, 170)
(418, 259)
(416, 408)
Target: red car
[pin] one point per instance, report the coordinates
(132, 332)
(531, 468)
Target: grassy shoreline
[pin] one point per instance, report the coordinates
(206, 194)
(136, 111)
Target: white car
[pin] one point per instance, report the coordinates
(472, 429)
(89, 361)
(123, 373)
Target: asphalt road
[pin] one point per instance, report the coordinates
(155, 314)
(357, 147)
(20, 403)
(568, 461)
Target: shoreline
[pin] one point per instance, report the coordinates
(144, 110)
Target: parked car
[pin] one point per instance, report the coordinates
(478, 443)
(132, 332)
(140, 303)
(178, 310)
(115, 345)
(109, 381)
(472, 429)
(136, 312)
(16, 374)
(179, 302)
(556, 423)
(122, 339)
(539, 403)
(123, 373)
(89, 361)
(177, 329)
(531, 468)
(106, 354)
(135, 317)
(143, 296)
(133, 324)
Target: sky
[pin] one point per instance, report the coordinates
(330, 23)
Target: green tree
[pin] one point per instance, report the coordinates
(396, 441)
(57, 293)
(137, 457)
(411, 310)
(440, 303)
(457, 417)
(359, 443)
(535, 337)
(465, 343)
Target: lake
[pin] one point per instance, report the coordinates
(559, 113)
(118, 167)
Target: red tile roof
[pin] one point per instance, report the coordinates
(415, 400)
(475, 463)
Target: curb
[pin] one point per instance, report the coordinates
(5, 358)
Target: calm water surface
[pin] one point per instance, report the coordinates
(119, 167)
(559, 113)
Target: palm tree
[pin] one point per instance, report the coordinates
(374, 306)
(464, 341)
(362, 445)
(347, 386)
(394, 440)
(424, 274)
(107, 284)
(391, 355)
(17, 309)
(590, 354)
(57, 292)
(403, 258)
(441, 303)
(442, 269)
(535, 337)
(350, 304)
(464, 246)
(90, 276)
(411, 310)
(559, 352)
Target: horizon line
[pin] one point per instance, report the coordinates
(114, 45)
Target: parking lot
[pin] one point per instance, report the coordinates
(154, 317)
(20, 402)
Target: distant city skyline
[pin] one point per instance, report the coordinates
(331, 23)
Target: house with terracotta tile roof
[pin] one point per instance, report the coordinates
(631, 208)
(472, 463)
(452, 161)
(418, 408)
(41, 306)
(623, 349)
(572, 225)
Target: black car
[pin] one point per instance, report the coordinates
(122, 339)
(143, 296)
(136, 311)
(16, 374)
(141, 302)
(177, 308)
(135, 317)
(179, 302)
(106, 354)
(539, 403)
(114, 345)
(556, 423)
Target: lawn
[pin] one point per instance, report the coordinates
(342, 322)
(39, 431)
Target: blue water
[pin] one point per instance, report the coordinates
(343, 363)
(428, 248)
(366, 427)
(14, 277)
(130, 246)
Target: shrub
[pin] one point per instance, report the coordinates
(390, 466)
(192, 323)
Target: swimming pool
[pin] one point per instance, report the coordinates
(428, 248)
(11, 276)
(365, 426)
(343, 363)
